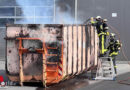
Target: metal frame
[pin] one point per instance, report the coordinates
(46, 80)
(100, 72)
(23, 50)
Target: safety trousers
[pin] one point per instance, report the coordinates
(114, 63)
(102, 44)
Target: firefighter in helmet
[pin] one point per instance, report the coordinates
(114, 48)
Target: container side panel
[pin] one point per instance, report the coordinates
(79, 47)
(96, 47)
(12, 57)
(75, 52)
(87, 45)
(13, 31)
(92, 46)
(70, 50)
(12, 51)
(84, 47)
(88, 51)
(65, 52)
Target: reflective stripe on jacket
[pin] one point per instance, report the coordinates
(113, 53)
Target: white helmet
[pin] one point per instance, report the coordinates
(105, 20)
(112, 35)
(117, 41)
(106, 28)
(98, 17)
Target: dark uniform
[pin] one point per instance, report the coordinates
(114, 47)
(101, 34)
(99, 26)
(105, 30)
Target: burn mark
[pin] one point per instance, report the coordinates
(33, 64)
(33, 26)
(32, 58)
(32, 44)
(21, 33)
(32, 49)
(54, 25)
(9, 51)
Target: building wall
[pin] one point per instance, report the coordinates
(105, 8)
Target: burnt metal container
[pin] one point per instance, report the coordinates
(49, 53)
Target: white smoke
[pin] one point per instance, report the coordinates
(61, 16)
(27, 11)
(64, 16)
(44, 35)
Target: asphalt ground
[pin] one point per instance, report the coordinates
(110, 85)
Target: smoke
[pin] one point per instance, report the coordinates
(44, 35)
(27, 11)
(63, 12)
(63, 15)
(47, 35)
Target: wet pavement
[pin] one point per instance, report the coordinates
(110, 85)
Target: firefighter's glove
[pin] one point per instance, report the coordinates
(107, 33)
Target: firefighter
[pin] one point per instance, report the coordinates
(112, 39)
(105, 23)
(101, 34)
(114, 48)
(99, 24)
(105, 30)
